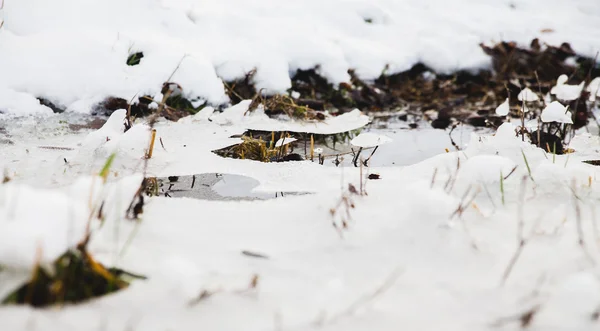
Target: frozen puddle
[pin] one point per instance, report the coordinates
(215, 187)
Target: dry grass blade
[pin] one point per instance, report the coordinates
(522, 241)
(580, 234)
(151, 147)
(367, 298)
(525, 319)
(251, 149)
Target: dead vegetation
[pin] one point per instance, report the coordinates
(75, 276)
(465, 96)
(174, 107)
(252, 149)
(72, 278)
(468, 97)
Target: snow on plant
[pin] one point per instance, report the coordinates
(556, 112)
(566, 92)
(527, 95)
(503, 108)
(368, 140)
(284, 141)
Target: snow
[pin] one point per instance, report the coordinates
(527, 95)
(369, 139)
(503, 108)
(74, 52)
(40, 225)
(556, 112)
(398, 234)
(439, 228)
(284, 141)
(564, 91)
(594, 88)
(259, 121)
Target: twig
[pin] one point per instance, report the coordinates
(539, 88)
(367, 298)
(435, 171)
(525, 319)
(151, 148)
(462, 205)
(522, 241)
(452, 139)
(581, 236)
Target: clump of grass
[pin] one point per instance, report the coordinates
(251, 149)
(135, 58)
(285, 104)
(72, 278)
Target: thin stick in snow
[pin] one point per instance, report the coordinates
(433, 177)
(520, 236)
(581, 236)
(367, 298)
(462, 206)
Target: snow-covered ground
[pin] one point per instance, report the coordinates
(433, 244)
(427, 248)
(74, 52)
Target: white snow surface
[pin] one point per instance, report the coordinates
(73, 52)
(441, 233)
(428, 247)
(594, 88)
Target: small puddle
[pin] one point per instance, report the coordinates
(412, 142)
(215, 186)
